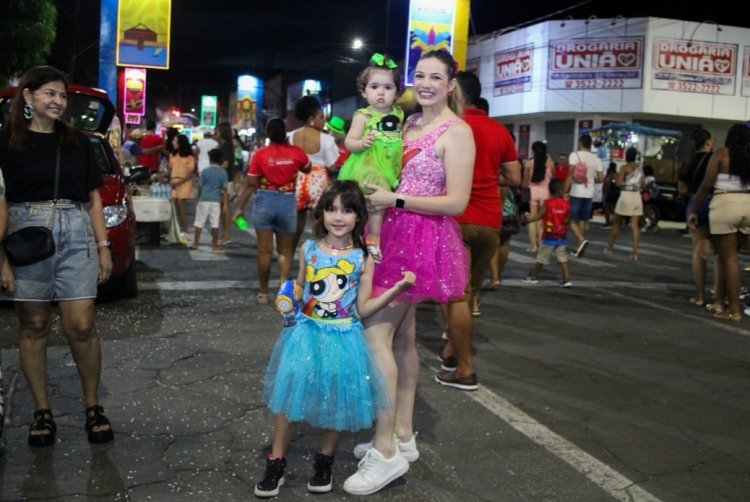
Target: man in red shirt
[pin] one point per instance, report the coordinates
(496, 163)
(561, 167)
(151, 147)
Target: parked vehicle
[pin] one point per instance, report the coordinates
(91, 111)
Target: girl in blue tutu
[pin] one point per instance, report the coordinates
(321, 370)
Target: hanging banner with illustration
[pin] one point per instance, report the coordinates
(143, 33)
(596, 64)
(513, 70)
(134, 92)
(746, 72)
(430, 28)
(694, 66)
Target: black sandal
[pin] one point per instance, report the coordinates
(45, 426)
(97, 419)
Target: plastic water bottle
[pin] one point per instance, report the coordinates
(241, 222)
(286, 303)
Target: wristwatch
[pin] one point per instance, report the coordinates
(104, 244)
(400, 202)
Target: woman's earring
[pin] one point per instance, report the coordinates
(28, 110)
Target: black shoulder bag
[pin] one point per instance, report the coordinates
(33, 244)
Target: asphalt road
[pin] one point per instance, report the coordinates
(615, 389)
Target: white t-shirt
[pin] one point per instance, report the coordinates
(328, 153)
(594, 166)
(204, 146)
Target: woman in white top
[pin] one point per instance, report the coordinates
(630, 180)
(322, 151)
(728, 172)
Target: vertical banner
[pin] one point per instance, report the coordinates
(249, 94)
(524, 133)
(107, 42)
(143, 33)
(134, 95)
(209, 111)
(430, 28)
(746, 72)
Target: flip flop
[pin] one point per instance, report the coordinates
(492, 286)
(694, 301)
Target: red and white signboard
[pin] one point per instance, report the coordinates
(513, 70)
(694, 66)
(596, 64)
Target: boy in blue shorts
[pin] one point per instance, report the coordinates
(212, 190)
(555, 213)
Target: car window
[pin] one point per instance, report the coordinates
(101, 155)
(84, 112)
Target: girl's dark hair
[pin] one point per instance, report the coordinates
(351, 198)
(172, 132)
(738, 144)
(631, 154)
(225, 131)
(556, 187)
(364, 75)
(184, 149)
(306, 107)
(451, 68)
(539, 149)
(276, 131)
(648, 170)
(700, 138)
(32, 80)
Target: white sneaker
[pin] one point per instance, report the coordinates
(375, 472)
(408, 449)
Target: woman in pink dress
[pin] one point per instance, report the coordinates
(537, 172)
(419, 234)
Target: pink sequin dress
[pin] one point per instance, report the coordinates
(431, 246)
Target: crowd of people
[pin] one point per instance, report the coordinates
(403, 210)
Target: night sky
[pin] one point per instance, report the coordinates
(215, 40)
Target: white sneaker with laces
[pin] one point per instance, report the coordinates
(375, 472)
(408, 449)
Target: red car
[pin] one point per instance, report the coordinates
(91, 111)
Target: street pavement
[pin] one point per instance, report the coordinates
(617, 389)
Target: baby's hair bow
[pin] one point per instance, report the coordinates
(380, 60)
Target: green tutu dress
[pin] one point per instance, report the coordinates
(381, 163)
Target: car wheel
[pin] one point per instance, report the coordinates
(127, 285)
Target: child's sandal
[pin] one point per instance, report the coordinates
(45, 427)
(95, 418)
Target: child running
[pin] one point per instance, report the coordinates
(374, 138)
(554, 212)
(321, 370)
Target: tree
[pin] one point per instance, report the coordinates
(27, 32)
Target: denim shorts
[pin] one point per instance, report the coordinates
(69, 274)
(580, 208)
(275, 210)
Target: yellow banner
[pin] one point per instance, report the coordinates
(143, 33)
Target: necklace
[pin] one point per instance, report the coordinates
(334, 249)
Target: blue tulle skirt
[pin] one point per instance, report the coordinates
(323, 373)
